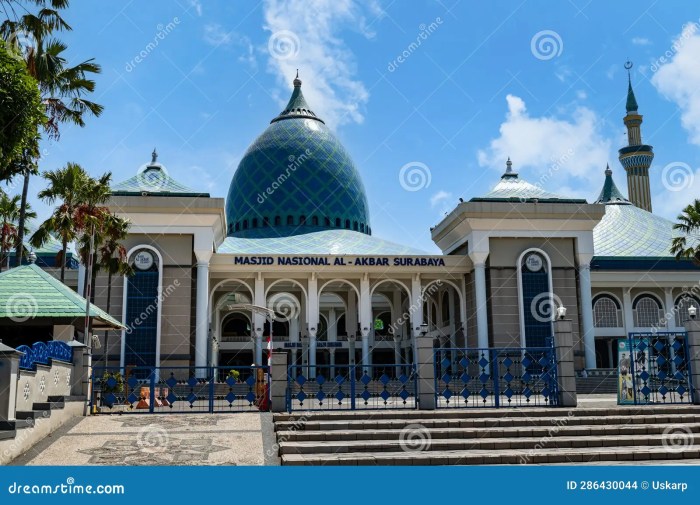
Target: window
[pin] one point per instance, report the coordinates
(537, 300)
(245, 225)
(606, 312)
(362, 227)
(278, 221)
(682, 303)
(255, 222)
(355, 226)
(238, 226)
(337, 222)
(347, 224)
(302, 220)
(647, 312)
(266, 222)
(314, 220)
(326, 221)
(290, 220)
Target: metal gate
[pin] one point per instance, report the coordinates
(496, 377)
(165, 390)
(351, 387)
(659, 364)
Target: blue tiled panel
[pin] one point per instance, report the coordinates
(142, 306)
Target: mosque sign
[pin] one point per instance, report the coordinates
(340, 261)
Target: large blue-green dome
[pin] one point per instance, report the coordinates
(296, 178)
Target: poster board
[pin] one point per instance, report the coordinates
(625, 381)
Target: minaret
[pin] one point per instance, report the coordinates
(636, 158)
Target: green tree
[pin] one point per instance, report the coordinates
(67, 186)
(21, 111)
(689, 226)
(63, 88)
(9, 214)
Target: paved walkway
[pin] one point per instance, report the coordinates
(182, 439)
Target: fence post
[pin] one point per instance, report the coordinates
(278, 382)
(80, 376)
(566, 376)
(693, 328)
(9, 368)
(425, 368)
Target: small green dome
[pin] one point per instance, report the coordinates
(296, 178)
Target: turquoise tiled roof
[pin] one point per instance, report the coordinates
(28, 292)
(610, 193)
(296, 173)
(512, 188)
(320, 242)
(154, 180)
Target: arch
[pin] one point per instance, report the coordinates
(293, 281)
(159, 310)
(521, 308)
(647, 309)
(344, 281)
(221, 283)
(462, 302)
(607, 311)
(396, 281)
(681, 304)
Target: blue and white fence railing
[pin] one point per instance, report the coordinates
(351, 387)
(145, 390)
(43, 353)
(496, 377)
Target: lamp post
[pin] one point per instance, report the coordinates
(269, 315)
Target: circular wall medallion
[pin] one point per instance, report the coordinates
(143, 260)
(533, 262)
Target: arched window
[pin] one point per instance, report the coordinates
(682, 303)
(362, 227)
(355, 226)
(238, 226)
(647, 312)
(326, 221)
(606, 312)
(290, 220)
(314, 220)
(337, 222)
(347, 224)
(255, 222)
(537, 301)
(302, 220)
(245, 224)
(266, 222)
(278, 221)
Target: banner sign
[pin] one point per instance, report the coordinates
(631, 361)
(342, 261)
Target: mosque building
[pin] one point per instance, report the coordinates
(295, 235)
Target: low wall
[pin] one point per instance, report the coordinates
(48, 380)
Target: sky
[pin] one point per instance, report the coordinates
(429, 97)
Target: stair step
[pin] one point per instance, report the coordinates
(488, 422)
(44, 406)
(455, 444)
(496, 457)
(7, 434)
(32, 415)
(476, 433)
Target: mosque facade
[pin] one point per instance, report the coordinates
(294, 235)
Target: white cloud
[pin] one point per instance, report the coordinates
(679, 79)
(307, 36)
(439, 197)
(641, 41)
(550, 150)
(215, 35)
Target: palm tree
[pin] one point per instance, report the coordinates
(112, 257)
(9, 214)
(688, 224)
(62, 87)
(66, 185)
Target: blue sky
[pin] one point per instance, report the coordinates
(541, 82)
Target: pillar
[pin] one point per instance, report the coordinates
(312, 321)
(331, 362)
(610, 353)
(693, 329)
(425, 368)
(564, 348)
(202, 313)
(669, 312)
(397, 356)
(258, 350)
(351, 350)
(482, 316)
(351, 315)
(312, 354)
(278, 382)
(332, 326)
(9, 368)
(365, 351)
(627, 311)
(586, 299)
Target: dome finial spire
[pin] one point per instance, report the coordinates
(154, 156)
(631, 105)
(297, 81)
(509, 171)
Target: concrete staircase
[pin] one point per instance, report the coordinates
(643, 435)
(27, 419)
(601, 381)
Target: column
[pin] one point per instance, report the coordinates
(365, 319)
(312, 354)
(425, 367)
(258, 318)
(202, 313)
(610, 353)
(397, 356)
(332, 326)
(351, 350)
(278, 382)
(365, 351)
(627, 310)
(566, 376)
(482, 316)
(312, 320)
(693, 328)
(332, 361)
(9, 368)
(258, 350)
(669, 313)
(586, 300)
(351, 315)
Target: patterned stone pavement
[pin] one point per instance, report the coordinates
(134, 440)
